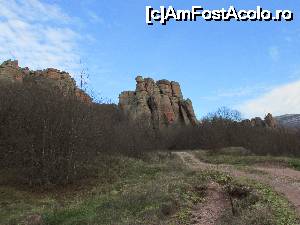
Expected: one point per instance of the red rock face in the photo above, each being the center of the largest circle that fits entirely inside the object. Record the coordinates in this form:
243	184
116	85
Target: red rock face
159	104
170	116
82	96
11	72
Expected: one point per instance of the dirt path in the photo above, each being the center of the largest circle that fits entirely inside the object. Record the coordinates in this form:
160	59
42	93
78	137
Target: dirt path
208	212
284	180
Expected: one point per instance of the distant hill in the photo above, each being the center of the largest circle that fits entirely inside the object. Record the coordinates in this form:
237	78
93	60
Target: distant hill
289	120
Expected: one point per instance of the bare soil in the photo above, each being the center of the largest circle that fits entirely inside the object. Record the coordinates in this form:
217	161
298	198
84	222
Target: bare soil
208	212
285	181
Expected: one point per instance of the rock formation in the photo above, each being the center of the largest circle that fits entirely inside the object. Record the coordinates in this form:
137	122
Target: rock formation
160	104
10	72
269	122
257	122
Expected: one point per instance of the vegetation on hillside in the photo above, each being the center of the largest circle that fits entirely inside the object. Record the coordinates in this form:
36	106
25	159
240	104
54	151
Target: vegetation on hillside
77	163
156	190
242	157
224	129
49	138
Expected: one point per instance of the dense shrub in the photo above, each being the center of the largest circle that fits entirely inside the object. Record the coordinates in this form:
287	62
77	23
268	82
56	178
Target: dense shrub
217	133
50	138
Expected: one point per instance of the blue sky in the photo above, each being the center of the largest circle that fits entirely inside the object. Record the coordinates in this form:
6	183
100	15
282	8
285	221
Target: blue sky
251	66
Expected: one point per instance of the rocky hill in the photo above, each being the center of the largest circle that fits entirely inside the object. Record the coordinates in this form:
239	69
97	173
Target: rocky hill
289	120
160	104
10	72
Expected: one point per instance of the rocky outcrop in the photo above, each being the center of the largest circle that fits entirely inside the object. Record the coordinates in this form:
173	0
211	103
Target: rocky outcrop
257	122
159	104
10	72
269	122
53	78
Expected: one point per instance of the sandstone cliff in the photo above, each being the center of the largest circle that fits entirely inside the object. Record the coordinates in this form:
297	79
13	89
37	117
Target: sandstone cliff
52	78
159	104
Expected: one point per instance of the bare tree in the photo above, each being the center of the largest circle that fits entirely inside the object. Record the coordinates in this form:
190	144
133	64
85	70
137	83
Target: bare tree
225	113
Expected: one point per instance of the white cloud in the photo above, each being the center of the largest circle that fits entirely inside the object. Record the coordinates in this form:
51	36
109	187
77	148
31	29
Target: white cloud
236	92
274	53
280	100
38	34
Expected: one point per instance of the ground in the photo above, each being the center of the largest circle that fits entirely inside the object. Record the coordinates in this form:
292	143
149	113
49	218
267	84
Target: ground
283	180
165	189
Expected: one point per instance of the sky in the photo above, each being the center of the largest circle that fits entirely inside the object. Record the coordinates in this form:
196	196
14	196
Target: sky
253	67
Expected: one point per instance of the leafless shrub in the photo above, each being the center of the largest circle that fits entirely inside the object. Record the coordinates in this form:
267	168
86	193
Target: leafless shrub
216	131
49	138
54	139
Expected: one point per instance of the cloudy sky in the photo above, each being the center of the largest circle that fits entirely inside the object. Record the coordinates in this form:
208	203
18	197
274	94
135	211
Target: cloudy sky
252	66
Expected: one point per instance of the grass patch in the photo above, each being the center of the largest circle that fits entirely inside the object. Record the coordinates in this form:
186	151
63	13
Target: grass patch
254	203
158	190
242	157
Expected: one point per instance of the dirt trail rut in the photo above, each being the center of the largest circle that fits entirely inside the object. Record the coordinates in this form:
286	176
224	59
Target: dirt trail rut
208	212
283	180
